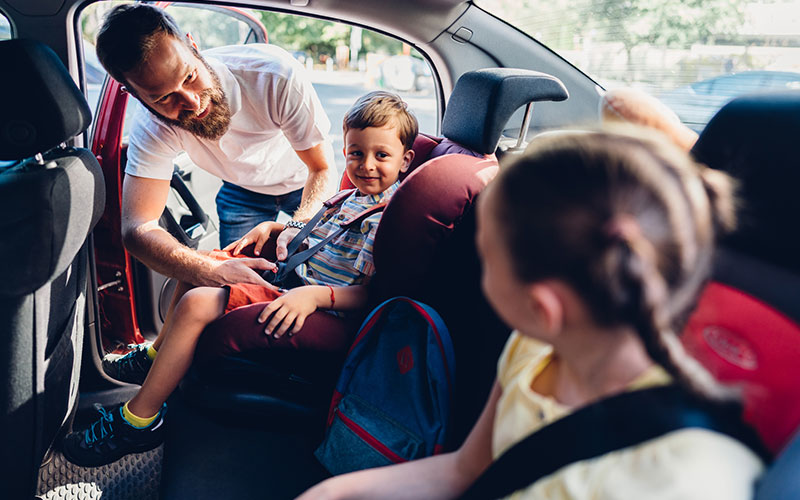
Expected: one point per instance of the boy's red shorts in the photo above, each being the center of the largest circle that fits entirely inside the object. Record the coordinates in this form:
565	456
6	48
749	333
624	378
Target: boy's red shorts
238	330
244	294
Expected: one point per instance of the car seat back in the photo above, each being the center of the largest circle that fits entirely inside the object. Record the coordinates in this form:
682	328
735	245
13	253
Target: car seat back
746	328
424	246
50	198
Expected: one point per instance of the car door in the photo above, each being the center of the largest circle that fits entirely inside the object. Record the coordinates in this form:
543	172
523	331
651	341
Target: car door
132	297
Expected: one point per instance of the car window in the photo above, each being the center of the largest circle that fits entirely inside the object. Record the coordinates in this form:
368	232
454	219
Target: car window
694	56
5	27
213	26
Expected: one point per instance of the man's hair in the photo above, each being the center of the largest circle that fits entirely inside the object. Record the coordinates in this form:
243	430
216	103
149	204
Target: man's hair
128	34
380	108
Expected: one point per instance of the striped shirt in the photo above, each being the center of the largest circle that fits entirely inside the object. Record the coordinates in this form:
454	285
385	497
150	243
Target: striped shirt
346	259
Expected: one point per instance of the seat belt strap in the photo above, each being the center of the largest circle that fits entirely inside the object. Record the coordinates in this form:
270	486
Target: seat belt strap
295	259
612	424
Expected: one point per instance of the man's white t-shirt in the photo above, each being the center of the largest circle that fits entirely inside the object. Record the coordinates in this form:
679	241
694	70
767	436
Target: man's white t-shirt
274	111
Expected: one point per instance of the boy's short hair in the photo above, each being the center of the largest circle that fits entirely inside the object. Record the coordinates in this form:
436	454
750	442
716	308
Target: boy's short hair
380	108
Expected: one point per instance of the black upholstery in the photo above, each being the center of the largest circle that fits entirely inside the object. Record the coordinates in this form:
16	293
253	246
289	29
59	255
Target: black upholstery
40	111
483	101
48	206
754	138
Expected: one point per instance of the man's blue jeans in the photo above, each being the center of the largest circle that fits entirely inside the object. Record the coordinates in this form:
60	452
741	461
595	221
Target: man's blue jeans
240	210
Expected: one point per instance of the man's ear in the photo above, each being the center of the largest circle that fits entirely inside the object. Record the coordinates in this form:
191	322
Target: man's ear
548	306
408	157
191	41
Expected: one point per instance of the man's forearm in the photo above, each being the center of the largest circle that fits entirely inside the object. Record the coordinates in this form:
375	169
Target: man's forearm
320	186
158	250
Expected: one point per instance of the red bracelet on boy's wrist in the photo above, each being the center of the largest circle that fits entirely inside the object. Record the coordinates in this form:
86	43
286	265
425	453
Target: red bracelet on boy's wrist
333	297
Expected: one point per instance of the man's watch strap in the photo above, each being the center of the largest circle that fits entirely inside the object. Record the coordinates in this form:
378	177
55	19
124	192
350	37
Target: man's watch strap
295	224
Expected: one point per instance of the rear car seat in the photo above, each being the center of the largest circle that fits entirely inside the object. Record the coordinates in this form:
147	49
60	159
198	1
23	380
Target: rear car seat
424	248
746	328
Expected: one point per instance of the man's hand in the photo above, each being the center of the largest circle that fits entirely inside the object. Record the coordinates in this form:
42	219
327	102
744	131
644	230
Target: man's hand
292	309
244	270
258	235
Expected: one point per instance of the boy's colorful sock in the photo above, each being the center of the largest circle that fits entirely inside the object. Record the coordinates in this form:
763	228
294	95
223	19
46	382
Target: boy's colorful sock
151	352
135	420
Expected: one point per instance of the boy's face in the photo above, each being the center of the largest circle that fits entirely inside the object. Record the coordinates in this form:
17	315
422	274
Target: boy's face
375	157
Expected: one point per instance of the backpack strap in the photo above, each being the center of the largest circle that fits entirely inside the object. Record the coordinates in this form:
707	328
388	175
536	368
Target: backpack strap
614	423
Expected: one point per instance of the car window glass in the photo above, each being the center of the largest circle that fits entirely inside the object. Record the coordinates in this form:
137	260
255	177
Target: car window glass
694	56
5	28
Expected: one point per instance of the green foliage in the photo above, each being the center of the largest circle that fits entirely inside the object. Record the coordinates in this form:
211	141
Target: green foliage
562	24
319	37
664	23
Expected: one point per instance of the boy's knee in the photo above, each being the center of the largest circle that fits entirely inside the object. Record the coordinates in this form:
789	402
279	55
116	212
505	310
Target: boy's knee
203	302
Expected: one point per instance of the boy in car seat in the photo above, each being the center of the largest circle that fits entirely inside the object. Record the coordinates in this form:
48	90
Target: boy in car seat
379	132
594	247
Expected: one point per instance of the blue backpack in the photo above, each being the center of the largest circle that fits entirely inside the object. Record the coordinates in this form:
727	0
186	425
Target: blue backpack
392	401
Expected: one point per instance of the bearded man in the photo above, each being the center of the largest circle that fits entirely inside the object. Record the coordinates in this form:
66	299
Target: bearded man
247	114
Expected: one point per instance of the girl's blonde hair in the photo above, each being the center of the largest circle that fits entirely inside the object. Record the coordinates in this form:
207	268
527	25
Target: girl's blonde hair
627	219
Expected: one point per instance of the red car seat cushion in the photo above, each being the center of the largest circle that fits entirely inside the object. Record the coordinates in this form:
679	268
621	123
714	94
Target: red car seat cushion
423	212
745	342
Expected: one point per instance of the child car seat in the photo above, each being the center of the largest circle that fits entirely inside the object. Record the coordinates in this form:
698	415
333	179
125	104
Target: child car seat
424	248
746	328
51	196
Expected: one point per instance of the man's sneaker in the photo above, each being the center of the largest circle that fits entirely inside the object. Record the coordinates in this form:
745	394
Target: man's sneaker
131	367
111	437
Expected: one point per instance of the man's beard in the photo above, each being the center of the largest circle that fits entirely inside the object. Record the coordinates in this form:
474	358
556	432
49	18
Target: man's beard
215	123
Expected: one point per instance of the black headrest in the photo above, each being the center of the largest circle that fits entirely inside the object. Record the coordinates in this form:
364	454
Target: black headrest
42	106
757	140
483	101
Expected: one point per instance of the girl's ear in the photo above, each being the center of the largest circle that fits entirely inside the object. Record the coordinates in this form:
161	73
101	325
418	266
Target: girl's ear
408	157
548	307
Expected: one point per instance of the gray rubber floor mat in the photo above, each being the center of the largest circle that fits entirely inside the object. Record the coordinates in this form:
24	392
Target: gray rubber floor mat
134	477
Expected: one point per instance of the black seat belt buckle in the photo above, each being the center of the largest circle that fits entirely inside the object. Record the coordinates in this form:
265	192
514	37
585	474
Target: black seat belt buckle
277	276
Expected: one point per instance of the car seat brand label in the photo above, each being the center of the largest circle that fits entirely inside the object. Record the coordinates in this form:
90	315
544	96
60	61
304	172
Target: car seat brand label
731	347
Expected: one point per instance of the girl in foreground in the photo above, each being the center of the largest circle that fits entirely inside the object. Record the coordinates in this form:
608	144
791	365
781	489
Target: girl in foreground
595	246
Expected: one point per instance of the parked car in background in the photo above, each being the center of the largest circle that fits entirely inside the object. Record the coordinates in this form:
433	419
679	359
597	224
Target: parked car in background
696	103
405	73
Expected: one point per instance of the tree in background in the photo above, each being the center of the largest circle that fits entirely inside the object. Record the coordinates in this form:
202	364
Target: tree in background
662	23
318	37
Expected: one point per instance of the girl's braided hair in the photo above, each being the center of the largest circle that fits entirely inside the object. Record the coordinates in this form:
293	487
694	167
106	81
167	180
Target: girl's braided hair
629	221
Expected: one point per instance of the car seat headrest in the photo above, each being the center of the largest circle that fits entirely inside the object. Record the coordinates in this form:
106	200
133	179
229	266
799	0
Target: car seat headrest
422	213
43	106
755	139
483	101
